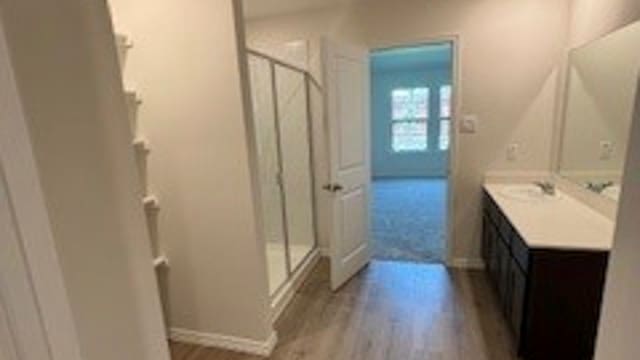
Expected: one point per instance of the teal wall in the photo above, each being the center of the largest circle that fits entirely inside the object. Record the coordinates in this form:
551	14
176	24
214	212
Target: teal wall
386	163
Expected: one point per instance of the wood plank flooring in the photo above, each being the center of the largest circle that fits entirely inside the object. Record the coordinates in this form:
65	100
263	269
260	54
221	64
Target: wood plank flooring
391	311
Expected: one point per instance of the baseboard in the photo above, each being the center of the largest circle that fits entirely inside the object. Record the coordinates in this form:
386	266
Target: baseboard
466	263
243	345
324	251
287	293
411	177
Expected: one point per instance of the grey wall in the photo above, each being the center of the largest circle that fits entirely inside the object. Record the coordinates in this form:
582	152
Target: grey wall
385	162
185	63
64	57
592	19
617	335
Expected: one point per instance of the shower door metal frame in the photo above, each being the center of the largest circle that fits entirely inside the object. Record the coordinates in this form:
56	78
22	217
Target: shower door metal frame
308	82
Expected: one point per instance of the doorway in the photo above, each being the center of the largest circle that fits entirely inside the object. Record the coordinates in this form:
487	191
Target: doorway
411	111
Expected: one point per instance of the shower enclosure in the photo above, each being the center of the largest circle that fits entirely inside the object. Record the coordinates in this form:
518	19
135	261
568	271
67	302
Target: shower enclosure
282	118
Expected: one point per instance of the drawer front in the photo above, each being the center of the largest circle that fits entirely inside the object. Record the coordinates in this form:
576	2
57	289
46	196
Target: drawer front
520	251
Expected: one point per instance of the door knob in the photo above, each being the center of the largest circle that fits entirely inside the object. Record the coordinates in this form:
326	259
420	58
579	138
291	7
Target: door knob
333	187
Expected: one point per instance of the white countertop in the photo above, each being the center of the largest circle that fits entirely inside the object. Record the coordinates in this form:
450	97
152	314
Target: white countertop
559	223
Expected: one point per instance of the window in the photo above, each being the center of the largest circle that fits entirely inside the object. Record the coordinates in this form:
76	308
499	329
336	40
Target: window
445	101
445	117
409	136
443	137
409	114
410	104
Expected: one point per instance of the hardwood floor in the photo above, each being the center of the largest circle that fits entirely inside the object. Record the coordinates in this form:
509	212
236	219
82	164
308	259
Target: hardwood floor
392	311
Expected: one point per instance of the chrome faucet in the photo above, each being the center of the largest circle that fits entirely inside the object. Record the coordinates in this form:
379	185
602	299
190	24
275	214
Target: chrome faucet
547	187
599	187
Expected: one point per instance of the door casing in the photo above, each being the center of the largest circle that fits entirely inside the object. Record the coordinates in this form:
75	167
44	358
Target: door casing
454	40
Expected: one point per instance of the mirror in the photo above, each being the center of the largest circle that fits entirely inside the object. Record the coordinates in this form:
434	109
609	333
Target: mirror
600	100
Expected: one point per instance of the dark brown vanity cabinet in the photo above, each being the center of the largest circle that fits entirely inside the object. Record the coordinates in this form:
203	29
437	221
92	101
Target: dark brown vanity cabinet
551	298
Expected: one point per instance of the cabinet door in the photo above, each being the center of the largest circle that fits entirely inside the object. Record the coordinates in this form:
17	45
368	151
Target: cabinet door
487	242
518	288
504	262
494	255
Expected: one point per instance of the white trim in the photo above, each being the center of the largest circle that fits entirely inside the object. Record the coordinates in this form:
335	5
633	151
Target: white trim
323	251
151	203
466	263
141	144
283	297
32	219
244	345
161	261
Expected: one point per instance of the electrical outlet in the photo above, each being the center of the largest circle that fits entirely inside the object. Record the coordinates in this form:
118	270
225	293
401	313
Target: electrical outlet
513	150
606	150
469	124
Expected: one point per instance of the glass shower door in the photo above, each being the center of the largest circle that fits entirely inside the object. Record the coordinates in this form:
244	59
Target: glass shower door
283	140
266	135
293	126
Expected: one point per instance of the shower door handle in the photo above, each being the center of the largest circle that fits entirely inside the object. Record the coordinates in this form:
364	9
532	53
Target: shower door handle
334	188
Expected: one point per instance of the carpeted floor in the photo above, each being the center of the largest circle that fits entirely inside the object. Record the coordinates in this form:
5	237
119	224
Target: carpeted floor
409	219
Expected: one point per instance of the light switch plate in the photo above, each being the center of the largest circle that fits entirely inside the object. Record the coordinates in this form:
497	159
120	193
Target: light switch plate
469	124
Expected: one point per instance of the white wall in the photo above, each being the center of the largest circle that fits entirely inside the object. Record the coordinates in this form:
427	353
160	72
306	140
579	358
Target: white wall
617	335
618	324
592	19
185	64
510	53
65	64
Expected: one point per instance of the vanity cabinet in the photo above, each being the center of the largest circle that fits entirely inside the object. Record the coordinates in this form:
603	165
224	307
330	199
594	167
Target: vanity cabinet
550	297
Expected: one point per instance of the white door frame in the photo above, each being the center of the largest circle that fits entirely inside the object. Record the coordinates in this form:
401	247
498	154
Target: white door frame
453	134
34	237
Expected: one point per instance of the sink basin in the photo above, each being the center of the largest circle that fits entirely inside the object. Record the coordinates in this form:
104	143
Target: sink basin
526	193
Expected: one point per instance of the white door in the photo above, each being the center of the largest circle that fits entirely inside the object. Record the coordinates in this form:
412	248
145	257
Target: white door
347	91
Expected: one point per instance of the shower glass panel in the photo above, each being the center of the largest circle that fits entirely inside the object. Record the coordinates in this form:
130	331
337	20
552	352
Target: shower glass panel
293	123
263	100
284	151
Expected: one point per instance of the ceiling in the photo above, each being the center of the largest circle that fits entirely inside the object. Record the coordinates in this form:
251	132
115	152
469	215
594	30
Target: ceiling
411	57
263	8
